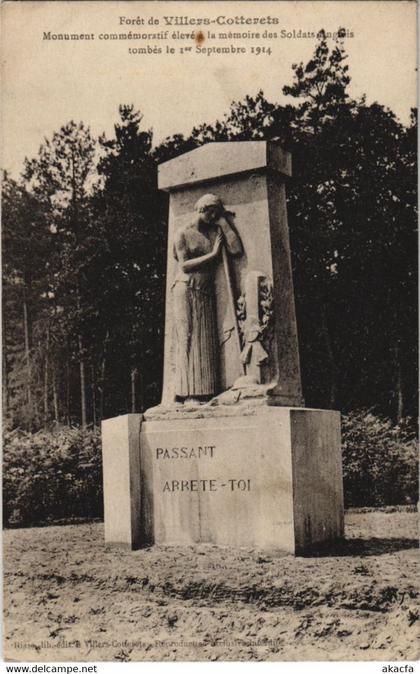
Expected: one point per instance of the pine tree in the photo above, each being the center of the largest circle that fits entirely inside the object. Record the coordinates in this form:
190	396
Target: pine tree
61	179
25	244
130	267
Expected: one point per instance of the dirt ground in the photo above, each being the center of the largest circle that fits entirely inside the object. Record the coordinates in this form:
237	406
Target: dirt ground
69	598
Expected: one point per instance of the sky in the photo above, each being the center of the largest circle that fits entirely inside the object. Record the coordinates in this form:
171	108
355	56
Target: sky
46	83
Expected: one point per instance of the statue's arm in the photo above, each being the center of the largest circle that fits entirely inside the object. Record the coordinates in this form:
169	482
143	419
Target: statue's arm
233	242
188	265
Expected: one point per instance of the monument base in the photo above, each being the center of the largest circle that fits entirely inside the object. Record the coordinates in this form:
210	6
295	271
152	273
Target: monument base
272	480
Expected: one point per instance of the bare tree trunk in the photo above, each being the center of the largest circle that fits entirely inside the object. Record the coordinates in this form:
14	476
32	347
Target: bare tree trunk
101	389
331	359
399	388
82	383
54	369
55	397
5	381
67	390
140	388
93	389
46	376
133	390
27	348
101	386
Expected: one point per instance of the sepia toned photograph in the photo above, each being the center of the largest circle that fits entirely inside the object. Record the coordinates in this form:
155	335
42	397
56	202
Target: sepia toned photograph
210	331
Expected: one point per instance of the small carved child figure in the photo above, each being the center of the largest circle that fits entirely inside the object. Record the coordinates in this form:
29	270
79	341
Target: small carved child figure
197	249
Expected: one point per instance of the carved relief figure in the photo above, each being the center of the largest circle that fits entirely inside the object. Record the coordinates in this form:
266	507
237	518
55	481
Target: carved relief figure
255	317
197	249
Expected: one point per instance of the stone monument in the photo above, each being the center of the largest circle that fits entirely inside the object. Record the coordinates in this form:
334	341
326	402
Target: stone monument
231	456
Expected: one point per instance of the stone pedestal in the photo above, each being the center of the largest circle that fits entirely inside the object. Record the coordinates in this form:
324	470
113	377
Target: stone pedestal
271	480
121	479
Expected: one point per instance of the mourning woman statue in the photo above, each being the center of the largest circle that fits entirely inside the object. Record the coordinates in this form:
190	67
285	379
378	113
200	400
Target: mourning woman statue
198	249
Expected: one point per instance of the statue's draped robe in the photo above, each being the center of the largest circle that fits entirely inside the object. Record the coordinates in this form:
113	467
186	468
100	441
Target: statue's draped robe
196	366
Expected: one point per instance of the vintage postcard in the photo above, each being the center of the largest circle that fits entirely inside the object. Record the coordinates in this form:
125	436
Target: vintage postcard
209	254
